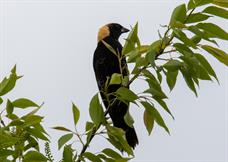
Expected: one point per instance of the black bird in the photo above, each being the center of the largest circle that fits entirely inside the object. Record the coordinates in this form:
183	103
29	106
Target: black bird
105	63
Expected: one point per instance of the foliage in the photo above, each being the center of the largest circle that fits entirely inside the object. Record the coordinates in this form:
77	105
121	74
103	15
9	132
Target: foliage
178	51
20	136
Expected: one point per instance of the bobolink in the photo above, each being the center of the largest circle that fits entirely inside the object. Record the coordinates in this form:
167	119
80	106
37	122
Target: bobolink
106	63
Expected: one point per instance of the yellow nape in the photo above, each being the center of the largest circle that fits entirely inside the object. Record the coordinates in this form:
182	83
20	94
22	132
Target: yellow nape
103	33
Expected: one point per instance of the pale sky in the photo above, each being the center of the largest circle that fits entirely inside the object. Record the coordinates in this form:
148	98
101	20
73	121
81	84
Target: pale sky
52	42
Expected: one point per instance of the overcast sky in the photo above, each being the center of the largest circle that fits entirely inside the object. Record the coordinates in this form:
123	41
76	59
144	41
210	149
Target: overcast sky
52	42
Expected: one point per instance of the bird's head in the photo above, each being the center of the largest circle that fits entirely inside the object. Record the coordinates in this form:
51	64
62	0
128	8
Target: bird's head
113	30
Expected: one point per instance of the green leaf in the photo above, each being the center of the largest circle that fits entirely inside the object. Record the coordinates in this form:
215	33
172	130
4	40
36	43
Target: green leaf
116	79
126	94
6	140
196	39
183	49
183	37
96	111
188	79
33	112
14	69
64	139
110	48
178	15
173	65
137	52
140	62
24	103
102	156
8	84
155	87
133	55
148	121
90	156
89	130
150	57
191	4
152	78
201	34
155	92
143	48
116	137
115	142
108	159
222	3
196	3
125	146
171	78
62	129
159	76
178	25
156	46
76	113
202	2
40	128
196	70
12	116
202	73
1	100
131	40
34	156
217	53
213	29
197	17
4	159
111	153
213	10
31	120
206	65
89	126
159	120
125	81
16	122
68	154
9	107
118	132
36	133
128	119
6	152
163	104
32	143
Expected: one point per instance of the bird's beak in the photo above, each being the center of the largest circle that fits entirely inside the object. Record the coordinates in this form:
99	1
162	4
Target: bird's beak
124	30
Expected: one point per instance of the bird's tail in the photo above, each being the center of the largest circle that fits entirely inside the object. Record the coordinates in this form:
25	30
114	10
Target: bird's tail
131	137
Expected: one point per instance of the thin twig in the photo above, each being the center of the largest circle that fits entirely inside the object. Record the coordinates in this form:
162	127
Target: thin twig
169	51
94	131
2	122
136	75
79	137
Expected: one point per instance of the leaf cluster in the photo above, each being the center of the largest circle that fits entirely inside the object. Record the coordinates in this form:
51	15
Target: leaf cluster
20	136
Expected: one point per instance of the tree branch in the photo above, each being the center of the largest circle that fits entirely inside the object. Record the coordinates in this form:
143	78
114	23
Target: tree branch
161	51
132	79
